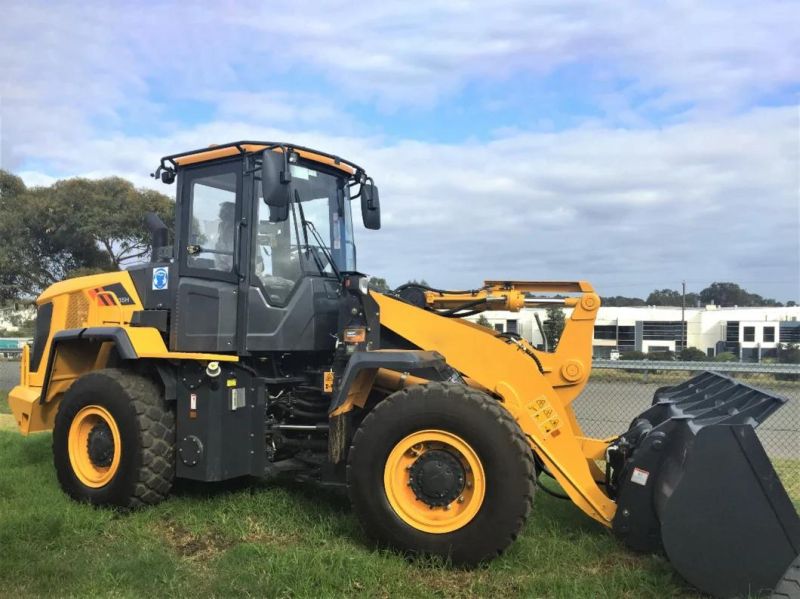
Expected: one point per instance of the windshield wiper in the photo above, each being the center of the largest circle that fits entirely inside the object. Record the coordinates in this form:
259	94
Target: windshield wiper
324	249
309	226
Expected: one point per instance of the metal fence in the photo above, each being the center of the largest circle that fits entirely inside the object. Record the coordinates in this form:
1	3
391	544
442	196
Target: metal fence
618	390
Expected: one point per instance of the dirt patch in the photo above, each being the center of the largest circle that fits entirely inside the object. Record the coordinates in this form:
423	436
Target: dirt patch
7	422
611	561
258	533
190	545
201	546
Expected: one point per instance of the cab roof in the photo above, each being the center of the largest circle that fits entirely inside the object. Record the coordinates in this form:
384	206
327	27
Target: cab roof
215	152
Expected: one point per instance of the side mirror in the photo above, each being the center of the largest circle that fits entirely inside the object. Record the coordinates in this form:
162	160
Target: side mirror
370	206
276	184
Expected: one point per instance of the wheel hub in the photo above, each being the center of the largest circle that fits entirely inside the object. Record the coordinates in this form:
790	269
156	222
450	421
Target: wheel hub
437	478
100	445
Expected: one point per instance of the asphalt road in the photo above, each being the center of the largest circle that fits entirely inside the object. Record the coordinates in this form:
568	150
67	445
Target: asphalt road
606	408
9	374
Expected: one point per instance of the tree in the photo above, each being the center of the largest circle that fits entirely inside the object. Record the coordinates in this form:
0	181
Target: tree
11	187
483	321
726	356
421	282
730	294
692	354
789	353
76	225
671	297
379	284
554	324
622	301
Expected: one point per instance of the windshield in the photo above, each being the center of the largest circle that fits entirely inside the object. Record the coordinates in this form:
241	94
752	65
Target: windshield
319	230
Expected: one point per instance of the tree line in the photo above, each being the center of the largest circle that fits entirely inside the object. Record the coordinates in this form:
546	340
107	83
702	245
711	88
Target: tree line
71	228
722	294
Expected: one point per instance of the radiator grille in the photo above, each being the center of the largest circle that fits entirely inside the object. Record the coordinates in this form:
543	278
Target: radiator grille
77	311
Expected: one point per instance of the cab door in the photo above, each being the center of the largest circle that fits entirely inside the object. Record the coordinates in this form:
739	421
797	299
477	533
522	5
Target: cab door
206	298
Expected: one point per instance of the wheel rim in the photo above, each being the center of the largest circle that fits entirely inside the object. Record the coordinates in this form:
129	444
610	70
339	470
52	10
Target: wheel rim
94	446
422	490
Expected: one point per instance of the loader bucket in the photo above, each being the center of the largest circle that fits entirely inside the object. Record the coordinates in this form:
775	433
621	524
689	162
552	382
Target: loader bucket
691	477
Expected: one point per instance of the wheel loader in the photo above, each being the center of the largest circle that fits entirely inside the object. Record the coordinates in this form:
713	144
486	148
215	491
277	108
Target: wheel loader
250	345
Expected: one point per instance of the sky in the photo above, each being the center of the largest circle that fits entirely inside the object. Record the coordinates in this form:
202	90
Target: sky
632	144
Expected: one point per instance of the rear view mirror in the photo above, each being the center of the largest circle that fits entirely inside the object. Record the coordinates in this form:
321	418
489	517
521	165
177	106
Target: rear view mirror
370	206
276	184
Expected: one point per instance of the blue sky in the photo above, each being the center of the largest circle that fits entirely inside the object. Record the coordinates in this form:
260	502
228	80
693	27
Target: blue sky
632	144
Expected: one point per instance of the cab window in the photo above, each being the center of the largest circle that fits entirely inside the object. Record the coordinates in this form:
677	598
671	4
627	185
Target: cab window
212	222
305	243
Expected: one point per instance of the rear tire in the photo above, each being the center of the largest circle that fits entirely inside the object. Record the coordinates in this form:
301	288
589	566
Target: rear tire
401	499
114	440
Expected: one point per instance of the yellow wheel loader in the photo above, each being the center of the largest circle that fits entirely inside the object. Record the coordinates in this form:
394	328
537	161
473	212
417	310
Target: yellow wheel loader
251	346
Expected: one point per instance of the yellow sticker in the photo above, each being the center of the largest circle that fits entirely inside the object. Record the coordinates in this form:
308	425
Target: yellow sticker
231	382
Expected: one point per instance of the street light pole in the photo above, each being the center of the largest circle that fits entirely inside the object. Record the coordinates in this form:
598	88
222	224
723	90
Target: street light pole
683	315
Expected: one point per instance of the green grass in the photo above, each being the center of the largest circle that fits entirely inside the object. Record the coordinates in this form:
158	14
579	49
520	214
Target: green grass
282	540
789	473
4	409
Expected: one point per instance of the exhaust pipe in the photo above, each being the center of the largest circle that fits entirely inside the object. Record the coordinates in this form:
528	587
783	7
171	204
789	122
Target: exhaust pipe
159	235
690	476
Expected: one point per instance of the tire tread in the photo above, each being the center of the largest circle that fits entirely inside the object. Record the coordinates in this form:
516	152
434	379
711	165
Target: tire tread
156	428
494	411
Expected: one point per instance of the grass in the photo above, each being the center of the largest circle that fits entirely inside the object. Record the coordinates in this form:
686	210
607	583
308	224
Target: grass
789	473
4	409
253	538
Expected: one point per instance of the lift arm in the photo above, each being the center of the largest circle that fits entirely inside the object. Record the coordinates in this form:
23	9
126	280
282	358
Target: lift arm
535	387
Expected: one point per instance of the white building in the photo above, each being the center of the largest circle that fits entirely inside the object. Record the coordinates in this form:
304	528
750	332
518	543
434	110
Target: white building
12	315
750	333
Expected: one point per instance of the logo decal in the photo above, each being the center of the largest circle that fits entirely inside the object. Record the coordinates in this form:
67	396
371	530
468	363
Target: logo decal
160	278
110	295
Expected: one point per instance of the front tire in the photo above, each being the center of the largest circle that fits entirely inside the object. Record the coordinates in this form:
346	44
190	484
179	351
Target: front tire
114	440
441	469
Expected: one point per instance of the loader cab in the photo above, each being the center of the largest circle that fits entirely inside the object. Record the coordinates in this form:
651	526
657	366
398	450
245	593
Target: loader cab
259	249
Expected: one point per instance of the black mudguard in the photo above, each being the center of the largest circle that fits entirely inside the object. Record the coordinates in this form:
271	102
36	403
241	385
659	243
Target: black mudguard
399	360
697	482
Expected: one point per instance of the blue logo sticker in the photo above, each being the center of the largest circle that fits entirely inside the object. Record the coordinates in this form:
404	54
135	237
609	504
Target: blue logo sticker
160	278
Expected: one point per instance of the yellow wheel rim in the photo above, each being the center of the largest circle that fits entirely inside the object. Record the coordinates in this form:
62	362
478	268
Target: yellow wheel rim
89	471
397	481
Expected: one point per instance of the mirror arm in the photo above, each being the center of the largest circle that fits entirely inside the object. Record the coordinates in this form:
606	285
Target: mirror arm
286	174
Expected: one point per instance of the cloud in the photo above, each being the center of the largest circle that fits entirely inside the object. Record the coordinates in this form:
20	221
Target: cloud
630	210
682	173
720	54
